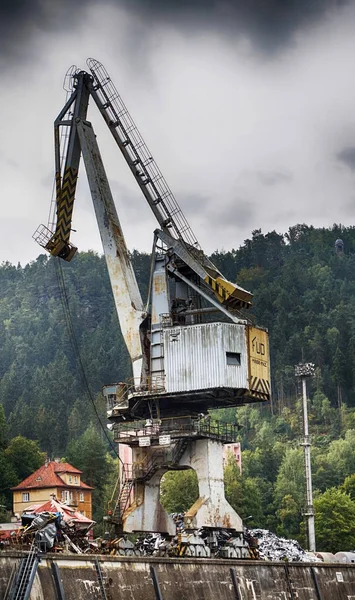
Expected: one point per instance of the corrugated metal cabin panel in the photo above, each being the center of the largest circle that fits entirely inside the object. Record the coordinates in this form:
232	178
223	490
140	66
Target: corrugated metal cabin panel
195	357
235	340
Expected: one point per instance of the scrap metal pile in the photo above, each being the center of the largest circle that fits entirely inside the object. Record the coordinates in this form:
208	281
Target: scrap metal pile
68	531
257	544
54	526
205	543
50	531
272	547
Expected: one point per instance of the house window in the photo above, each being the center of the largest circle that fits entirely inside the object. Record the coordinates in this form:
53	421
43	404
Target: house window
233	358
70	479
25	497
65	496
81	497
75	479
71	496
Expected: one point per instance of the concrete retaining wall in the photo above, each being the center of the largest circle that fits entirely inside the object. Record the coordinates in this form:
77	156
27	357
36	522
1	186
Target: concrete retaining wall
180	579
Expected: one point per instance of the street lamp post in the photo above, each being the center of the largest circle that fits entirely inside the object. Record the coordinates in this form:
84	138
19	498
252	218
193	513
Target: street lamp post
304	371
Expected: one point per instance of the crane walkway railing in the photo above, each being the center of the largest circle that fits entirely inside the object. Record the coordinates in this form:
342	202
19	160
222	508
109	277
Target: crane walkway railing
130	433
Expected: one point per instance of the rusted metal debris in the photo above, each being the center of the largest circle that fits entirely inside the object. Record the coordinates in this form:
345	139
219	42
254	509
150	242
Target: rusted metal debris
272	547
50	532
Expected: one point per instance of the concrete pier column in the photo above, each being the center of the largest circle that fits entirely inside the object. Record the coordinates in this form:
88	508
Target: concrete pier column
211	509
146	513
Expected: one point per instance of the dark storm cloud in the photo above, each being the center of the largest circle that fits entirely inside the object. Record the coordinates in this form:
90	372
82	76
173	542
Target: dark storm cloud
347	156
270	24
20	20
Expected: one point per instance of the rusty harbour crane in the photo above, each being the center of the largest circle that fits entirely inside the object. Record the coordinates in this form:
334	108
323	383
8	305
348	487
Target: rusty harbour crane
191	347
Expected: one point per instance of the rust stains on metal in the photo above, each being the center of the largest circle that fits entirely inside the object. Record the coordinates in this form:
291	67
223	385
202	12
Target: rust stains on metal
159	283
226	521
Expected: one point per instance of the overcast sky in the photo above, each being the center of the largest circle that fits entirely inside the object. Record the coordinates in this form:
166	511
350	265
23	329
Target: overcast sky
248	107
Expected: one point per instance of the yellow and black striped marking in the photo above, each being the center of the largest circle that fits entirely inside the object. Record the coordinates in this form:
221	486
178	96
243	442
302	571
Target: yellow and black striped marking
65	201
228	293
217	288
260	386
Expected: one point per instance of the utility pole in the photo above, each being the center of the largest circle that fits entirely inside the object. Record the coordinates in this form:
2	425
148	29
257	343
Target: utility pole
304	371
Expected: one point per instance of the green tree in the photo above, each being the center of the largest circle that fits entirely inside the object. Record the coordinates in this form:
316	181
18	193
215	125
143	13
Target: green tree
349	486
244	494
334	521
3	429
178	490
290	478
289	515
24	456
252	507
8	478
109	493
233	484
341	456
76	425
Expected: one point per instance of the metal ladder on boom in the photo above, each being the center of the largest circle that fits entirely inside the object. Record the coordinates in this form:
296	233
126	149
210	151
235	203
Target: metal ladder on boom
138	157
175	229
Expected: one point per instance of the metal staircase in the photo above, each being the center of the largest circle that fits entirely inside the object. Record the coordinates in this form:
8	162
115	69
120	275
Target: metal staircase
180	447
24	578
123	501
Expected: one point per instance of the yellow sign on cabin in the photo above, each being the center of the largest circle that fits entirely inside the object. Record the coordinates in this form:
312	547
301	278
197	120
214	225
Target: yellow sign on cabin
259	363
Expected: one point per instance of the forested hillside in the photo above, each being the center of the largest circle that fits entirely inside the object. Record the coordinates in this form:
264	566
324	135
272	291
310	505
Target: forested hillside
304	292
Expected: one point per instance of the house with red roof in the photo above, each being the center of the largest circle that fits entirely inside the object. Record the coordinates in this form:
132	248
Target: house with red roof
54	478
